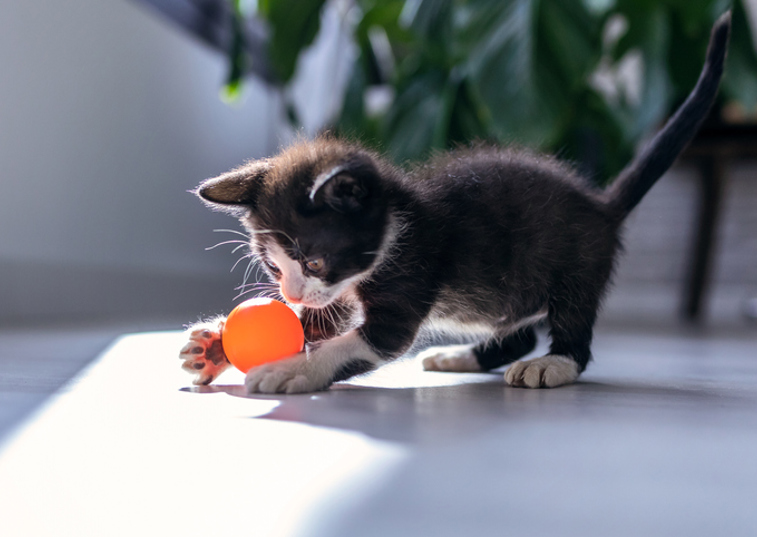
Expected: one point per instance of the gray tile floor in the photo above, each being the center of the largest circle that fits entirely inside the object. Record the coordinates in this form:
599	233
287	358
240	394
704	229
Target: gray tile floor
657	438
35	363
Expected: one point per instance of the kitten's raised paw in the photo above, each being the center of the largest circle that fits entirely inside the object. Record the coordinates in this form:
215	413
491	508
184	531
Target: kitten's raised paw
545	372
452	358
290	375
203	354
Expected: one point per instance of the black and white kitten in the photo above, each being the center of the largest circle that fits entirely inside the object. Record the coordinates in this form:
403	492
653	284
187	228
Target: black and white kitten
486	239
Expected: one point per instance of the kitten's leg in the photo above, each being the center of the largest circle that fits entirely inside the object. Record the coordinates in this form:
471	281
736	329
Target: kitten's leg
315	369
481	357
497	353
203	354
450	358
571	331
387	332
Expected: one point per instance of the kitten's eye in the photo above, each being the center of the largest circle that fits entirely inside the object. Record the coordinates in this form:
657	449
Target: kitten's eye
315	265
272	267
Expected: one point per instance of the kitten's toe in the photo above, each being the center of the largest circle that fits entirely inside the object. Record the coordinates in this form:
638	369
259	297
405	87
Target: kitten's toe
546	372
262	379
300	384
203	354
285	376
453	358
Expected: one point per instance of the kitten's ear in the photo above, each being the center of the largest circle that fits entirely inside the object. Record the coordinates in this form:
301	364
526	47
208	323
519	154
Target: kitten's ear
238	187
340	191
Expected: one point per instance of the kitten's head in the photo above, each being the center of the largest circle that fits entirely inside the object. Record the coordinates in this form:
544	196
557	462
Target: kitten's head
318	216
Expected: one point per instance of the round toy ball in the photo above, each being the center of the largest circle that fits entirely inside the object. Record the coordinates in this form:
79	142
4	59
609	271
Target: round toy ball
261	330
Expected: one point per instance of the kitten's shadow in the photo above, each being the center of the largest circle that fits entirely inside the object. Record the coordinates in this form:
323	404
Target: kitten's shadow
441	412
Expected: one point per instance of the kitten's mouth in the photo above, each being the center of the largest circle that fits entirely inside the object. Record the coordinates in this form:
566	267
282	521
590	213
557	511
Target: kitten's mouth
315	306
300	301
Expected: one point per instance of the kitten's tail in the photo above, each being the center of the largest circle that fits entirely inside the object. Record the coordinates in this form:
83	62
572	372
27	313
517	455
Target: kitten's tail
654	160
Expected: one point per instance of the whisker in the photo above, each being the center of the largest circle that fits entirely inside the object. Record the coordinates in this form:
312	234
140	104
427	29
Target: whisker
245	235
265	292
248	271
227	242
240	295
321	323
294	242
263	288
238	261
259	285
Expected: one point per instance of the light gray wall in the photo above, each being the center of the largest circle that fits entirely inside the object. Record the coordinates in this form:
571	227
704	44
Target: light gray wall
107	116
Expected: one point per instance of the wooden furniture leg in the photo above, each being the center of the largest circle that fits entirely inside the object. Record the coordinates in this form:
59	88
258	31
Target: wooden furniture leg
712	186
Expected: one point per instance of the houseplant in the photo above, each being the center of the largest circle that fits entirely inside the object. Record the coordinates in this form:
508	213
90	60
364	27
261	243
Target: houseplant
523	71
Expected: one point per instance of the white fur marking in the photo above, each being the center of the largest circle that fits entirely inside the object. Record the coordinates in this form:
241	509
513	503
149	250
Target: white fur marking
452	358
311	371
323	178
526	321
546	372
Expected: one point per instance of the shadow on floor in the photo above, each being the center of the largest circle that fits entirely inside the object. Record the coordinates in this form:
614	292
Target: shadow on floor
439	413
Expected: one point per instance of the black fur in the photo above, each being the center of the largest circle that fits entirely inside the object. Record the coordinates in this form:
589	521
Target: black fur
353	368
483	235
493	354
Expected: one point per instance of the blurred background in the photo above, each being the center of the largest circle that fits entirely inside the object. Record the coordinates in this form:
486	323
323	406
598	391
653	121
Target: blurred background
110	111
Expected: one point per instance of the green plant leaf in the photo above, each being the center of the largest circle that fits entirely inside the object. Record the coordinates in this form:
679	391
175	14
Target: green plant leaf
294	25
429	19
649	33
418	118
518	70
233	89
740	80
502	66
594	139
528	60
469	118
572	39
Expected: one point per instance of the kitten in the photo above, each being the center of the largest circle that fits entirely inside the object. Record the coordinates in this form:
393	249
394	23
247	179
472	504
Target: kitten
483	239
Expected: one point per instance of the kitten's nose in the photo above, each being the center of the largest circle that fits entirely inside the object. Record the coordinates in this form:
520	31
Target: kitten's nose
292	299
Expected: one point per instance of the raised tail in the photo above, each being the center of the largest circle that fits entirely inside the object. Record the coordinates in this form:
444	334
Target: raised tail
654	160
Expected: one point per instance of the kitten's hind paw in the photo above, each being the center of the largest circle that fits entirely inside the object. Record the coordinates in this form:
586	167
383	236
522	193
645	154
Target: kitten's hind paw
546	372
203	354
452	358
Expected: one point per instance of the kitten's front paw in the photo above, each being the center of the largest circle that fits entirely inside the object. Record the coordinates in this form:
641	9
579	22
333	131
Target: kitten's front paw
453	358
290	375
545	372
203	354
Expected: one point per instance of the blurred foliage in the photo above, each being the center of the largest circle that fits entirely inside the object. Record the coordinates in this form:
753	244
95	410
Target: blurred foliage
515	70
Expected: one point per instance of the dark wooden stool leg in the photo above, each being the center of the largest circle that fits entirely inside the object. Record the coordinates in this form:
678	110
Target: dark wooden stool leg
712	185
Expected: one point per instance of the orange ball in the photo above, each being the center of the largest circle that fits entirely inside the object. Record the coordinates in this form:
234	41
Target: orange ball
261	330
